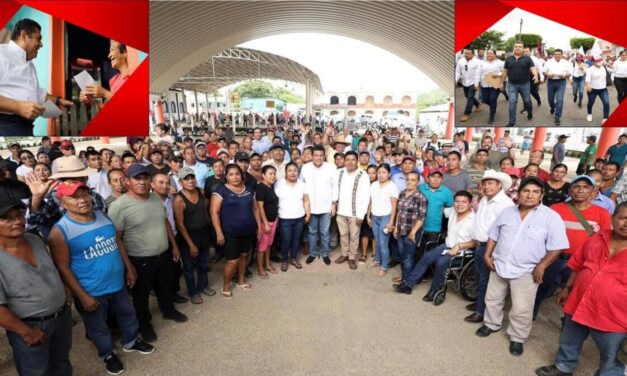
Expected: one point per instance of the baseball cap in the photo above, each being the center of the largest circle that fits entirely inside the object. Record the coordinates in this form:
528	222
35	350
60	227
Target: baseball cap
222	151
409	157
7	202
276	146
66	144
586	178
593	138
562	136
241	156
68	188
185	172
435	172
201	143
136	169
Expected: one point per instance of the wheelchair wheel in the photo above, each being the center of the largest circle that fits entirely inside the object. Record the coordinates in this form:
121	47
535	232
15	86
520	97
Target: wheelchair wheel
439	297
468	282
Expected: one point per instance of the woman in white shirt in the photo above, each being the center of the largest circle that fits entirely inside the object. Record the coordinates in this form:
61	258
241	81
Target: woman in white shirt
492	68
381	215
620	75
294	213
596	86
578	78
27	160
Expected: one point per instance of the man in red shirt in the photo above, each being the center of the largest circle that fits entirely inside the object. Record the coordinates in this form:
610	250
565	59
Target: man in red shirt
581	193
596	301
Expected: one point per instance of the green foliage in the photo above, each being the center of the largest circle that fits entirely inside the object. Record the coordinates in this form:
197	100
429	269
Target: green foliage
530	40
262	89
487	39
586	43
431	98
550	51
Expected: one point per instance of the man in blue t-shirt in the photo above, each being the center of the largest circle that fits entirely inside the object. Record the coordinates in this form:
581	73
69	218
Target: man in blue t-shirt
438	197
85	249
618	152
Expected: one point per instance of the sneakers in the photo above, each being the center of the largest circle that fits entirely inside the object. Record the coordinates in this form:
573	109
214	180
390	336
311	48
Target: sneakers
309	260
141	347
589	117
551	371
326	260
113	364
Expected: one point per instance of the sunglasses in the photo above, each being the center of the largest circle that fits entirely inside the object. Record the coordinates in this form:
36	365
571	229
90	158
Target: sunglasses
26	158
68	148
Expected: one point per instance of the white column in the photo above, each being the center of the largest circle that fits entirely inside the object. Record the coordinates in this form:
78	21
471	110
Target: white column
308	100
196	103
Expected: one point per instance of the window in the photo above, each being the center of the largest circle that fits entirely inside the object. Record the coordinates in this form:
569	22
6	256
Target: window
173	106
406	101
387	99
181	108
369	101
352	100
351	113
335	100
165	107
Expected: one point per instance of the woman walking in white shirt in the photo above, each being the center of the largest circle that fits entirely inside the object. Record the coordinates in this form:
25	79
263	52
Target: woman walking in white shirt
490	69
294	212
381	215
596	86
620	75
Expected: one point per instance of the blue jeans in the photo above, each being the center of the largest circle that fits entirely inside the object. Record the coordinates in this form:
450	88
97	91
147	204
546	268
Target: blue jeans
483	274
319	224
469	93
572	339
291	230
199	264
555	275
555	90
50	358
383	251
96	322
490	95
431	257
407	252
605	98
579	83
525	93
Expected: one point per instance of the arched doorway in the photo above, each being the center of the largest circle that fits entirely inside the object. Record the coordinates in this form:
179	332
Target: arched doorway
334	100
387	99
352	100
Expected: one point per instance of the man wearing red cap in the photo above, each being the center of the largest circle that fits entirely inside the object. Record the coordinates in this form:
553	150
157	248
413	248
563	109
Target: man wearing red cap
67	149
85	249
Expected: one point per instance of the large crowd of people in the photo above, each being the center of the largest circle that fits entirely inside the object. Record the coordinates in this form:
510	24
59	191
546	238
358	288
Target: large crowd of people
521	73
102	229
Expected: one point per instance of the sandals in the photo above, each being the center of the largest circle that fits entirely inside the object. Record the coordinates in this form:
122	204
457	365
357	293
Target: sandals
296	264
381	273
246	286
272	270
362	259
397	279
263	276
284	266
227	294
374	265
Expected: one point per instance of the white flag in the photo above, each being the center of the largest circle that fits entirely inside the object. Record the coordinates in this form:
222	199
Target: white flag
596	50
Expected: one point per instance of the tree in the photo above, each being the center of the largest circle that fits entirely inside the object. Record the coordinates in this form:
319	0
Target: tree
431	98
255	89
529	40
586	43
287	96
487	39
550	51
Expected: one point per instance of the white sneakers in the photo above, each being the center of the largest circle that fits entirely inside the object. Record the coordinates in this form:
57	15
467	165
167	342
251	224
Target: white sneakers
589	117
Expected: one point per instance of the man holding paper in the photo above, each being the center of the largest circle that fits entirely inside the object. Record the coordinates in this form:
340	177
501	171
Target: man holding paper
119	61
21	98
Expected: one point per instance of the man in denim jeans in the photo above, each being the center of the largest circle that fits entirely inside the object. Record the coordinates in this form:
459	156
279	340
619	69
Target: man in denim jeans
466	70
33	303
86	251
494	201
516	69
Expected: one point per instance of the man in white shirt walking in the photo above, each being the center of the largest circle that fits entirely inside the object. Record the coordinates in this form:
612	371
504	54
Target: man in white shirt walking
467	71
351	196
21	97
557	71
319	177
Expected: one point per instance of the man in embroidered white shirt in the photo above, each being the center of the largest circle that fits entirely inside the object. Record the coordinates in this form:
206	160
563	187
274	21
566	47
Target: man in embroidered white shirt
467	71
21	97
351	196
557	71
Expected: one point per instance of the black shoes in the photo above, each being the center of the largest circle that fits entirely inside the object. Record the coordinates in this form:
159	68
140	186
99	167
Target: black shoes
309	260
393	263
428	297
579	105
326	260
557	122
180	299
141	347
551	371
148	333
472	307
574	101
403	288
113	364
484	331
529	116
552	110
175	315
510	125
515	348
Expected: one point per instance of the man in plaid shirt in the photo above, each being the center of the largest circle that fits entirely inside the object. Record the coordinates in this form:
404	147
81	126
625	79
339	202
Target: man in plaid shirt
411	211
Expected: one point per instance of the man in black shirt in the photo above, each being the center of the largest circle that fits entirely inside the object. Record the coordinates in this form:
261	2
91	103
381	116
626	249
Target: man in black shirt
516	69
156	163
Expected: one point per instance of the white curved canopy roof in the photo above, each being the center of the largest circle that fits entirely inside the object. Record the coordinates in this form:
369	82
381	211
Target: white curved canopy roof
185	34
239	64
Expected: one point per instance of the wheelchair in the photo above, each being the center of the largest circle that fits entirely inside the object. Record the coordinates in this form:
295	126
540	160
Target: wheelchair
461	272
